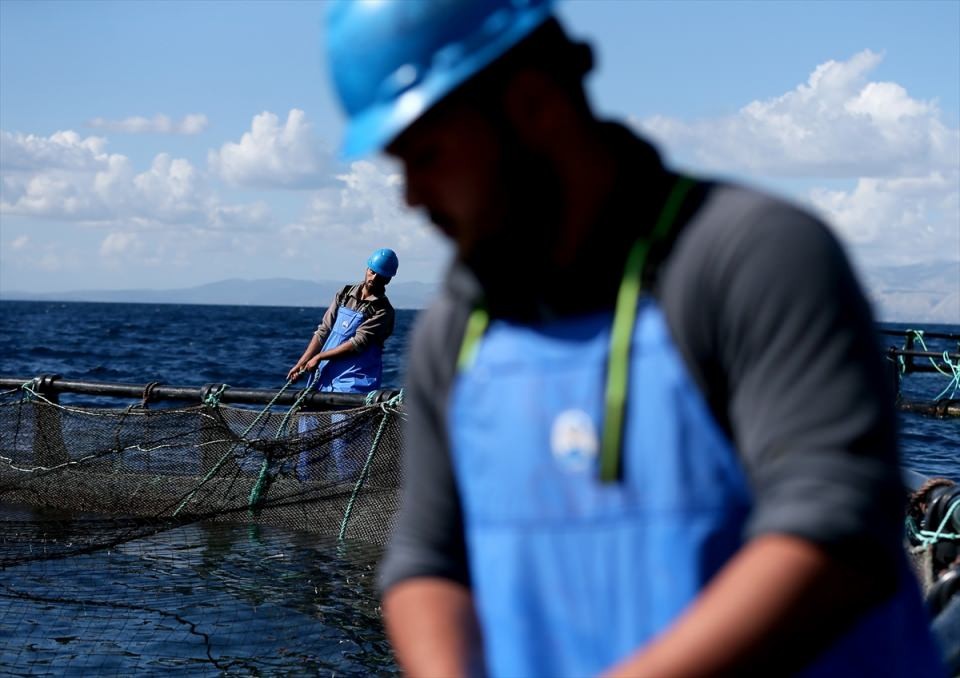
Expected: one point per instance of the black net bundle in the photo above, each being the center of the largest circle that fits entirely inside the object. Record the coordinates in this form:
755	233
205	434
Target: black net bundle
206	539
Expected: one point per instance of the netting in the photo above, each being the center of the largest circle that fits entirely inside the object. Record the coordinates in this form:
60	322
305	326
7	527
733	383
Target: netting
208	538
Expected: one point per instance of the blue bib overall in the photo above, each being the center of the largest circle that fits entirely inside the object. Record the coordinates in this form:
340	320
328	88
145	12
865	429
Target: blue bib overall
353	373
571	575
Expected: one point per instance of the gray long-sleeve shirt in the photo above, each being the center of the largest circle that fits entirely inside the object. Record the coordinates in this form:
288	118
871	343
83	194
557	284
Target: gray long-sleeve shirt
378	317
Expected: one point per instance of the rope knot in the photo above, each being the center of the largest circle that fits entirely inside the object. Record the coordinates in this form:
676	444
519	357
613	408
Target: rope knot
147	395
213	394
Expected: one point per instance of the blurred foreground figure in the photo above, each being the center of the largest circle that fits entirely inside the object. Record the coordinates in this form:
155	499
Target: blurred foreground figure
648	431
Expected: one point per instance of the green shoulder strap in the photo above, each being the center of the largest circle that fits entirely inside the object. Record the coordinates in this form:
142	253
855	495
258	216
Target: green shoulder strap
624	319
476	326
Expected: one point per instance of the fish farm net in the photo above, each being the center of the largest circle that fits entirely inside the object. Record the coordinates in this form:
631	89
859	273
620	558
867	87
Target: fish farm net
206	539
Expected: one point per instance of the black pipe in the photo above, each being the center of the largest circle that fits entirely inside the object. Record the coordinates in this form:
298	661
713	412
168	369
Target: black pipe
54	384
924	365
922	354
942	408
925	335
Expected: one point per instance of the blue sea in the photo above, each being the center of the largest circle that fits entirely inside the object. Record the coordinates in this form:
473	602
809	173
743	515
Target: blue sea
254	347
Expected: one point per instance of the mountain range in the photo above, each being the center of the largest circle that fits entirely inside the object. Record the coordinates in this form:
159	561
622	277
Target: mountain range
928	292
238	292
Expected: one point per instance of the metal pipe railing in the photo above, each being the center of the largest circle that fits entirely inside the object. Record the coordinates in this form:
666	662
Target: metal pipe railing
52	385
925	335
911	365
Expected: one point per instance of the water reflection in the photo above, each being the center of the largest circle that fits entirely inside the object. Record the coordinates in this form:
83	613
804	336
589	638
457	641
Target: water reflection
208	599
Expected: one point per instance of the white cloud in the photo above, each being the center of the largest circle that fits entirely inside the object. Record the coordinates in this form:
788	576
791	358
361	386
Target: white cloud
120	244
837	124
250	214
71	178
274	155
902	159
365	211
174	188
54	194
194	123
20	243
63	150
887	102
897	221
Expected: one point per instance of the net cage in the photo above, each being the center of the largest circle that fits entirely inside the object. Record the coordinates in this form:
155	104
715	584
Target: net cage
206	538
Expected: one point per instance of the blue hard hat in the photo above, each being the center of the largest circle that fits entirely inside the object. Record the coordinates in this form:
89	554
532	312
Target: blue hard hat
392	60
384	262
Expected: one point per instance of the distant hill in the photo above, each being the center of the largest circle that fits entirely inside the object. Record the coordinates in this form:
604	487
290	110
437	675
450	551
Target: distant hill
238	292
928	293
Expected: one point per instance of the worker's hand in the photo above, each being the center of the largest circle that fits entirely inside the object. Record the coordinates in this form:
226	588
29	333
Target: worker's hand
295	372
311	364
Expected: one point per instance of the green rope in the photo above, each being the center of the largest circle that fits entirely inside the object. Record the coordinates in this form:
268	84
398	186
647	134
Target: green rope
257	490
213	398
214	403
953	374
28	387
387	407
258	487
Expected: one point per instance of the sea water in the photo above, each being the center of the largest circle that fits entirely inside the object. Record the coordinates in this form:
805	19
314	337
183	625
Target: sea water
236	595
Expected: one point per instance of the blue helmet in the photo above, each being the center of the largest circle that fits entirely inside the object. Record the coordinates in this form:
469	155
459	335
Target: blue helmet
392	60
384	262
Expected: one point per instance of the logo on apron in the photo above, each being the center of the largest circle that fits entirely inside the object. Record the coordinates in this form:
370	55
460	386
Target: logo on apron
573	440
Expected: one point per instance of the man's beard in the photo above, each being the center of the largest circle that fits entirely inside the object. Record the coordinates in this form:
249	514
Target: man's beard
513	263
375	287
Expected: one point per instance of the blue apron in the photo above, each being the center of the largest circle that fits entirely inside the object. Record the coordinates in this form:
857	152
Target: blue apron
353	373
571	575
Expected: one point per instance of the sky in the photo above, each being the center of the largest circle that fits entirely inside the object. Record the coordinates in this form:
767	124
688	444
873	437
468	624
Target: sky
170	144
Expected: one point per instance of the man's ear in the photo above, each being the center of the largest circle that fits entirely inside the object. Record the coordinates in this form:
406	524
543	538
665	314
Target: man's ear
537	107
